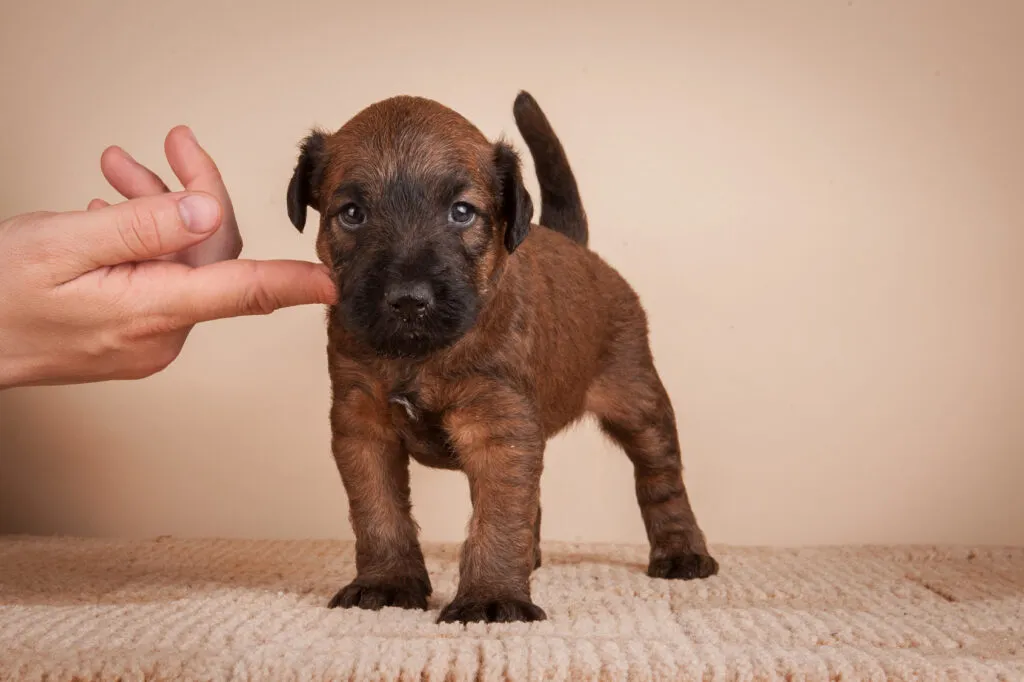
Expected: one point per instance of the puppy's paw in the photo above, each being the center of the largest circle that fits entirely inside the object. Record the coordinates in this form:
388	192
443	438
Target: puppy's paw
683	567
404	594
465	610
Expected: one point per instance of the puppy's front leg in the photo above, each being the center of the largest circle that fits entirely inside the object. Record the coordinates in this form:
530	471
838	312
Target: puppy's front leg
390	570
501	449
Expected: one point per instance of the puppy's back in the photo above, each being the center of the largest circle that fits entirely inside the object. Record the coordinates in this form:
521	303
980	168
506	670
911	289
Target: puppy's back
582	310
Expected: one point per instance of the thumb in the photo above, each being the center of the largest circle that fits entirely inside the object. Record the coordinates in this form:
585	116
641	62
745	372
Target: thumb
136	230
234	288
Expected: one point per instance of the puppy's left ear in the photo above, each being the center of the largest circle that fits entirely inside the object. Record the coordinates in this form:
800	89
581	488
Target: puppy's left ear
516	206
305	182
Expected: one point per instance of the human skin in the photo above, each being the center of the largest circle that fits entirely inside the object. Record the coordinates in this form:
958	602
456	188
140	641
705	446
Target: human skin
112	292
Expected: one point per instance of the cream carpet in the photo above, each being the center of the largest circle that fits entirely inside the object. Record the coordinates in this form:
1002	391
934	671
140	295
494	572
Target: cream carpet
73	609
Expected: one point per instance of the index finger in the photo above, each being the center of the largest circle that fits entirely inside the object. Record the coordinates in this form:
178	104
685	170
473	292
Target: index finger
129	177
234	288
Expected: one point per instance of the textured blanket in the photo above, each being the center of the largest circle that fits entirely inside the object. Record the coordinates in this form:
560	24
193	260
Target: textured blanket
76	609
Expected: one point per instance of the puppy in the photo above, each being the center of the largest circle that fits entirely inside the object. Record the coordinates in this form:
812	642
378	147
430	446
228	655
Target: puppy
465	337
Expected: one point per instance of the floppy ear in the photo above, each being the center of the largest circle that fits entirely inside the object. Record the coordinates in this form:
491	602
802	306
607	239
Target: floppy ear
305	182
515	202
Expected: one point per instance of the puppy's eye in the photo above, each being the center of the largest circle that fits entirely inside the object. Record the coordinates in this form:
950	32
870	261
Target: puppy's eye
462	214
352	215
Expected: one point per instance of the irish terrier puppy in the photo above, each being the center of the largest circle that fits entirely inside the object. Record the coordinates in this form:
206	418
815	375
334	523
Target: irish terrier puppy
465	337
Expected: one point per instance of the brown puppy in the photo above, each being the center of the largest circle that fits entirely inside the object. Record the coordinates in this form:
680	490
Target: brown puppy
465	337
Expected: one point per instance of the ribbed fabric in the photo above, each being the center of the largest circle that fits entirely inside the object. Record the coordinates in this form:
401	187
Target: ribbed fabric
80	609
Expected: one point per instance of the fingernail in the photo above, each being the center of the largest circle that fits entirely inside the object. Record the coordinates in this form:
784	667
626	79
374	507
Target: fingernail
191	135
199	213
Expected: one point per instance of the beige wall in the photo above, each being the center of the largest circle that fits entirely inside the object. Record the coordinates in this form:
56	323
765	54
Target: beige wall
819	202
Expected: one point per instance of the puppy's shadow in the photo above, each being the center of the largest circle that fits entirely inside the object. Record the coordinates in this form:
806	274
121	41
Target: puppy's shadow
554	555
555	559
65	572
69	572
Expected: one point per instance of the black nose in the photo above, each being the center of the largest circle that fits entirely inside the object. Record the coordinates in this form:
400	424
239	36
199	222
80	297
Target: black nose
410	300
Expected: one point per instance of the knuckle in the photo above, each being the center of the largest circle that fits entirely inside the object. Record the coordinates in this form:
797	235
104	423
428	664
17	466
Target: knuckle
139	230
163	359
147	348
156	360
131	349
258	301
136	372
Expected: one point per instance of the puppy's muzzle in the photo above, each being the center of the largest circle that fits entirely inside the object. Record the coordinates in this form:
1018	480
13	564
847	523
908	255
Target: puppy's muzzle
410	301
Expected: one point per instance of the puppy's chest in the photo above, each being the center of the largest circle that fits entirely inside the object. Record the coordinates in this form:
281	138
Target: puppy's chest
420	426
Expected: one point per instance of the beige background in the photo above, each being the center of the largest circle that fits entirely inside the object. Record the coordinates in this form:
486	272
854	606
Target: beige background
819	202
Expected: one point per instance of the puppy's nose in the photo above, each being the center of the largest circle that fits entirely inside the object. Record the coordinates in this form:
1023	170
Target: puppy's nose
410	300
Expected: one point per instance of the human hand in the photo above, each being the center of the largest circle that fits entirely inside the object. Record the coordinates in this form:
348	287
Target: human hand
196	171
112	292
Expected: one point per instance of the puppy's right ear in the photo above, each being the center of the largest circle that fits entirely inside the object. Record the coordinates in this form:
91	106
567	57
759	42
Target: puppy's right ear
305	182
515	201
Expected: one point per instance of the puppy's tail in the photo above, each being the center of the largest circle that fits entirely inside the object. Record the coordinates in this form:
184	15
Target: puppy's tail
561	207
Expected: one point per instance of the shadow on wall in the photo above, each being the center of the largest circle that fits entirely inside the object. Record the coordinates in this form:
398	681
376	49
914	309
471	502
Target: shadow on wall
45	439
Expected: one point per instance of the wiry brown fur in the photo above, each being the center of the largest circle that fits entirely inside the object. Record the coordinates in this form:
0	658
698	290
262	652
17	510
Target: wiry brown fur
558	334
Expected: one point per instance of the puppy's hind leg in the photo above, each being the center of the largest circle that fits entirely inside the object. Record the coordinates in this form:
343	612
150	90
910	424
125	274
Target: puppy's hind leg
634	410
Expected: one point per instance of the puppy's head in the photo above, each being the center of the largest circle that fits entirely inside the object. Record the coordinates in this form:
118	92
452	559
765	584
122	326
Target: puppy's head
418	211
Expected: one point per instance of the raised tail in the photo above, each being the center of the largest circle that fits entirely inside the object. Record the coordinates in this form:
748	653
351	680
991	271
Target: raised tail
561	207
